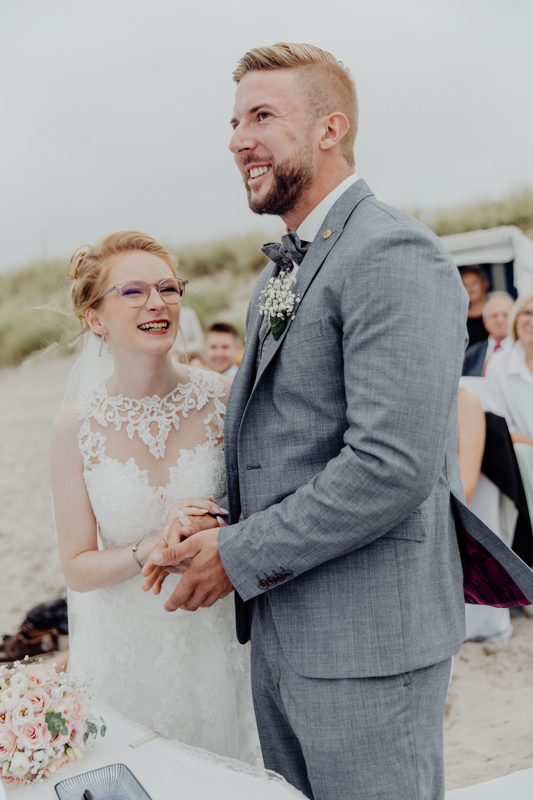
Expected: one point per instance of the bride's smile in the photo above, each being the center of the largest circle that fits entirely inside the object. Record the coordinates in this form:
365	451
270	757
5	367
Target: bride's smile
128	323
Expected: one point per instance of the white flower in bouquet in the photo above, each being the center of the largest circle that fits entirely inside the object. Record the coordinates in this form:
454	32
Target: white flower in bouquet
20	764
44	723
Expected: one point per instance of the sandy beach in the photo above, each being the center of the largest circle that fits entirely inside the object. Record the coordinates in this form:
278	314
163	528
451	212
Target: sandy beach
488	729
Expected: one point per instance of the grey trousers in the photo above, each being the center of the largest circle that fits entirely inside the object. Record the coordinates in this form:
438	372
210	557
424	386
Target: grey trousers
348	739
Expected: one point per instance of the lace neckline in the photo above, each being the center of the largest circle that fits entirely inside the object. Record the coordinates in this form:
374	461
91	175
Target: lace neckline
141	415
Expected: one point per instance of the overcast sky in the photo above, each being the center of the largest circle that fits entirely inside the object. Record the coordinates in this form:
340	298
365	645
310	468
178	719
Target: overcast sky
115	113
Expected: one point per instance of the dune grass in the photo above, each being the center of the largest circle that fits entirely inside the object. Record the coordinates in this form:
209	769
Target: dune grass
517	210
221	275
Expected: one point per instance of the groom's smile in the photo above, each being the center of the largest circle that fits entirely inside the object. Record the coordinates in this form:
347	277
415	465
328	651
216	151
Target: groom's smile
271	141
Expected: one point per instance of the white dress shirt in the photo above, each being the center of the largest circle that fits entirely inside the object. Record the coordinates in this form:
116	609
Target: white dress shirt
308	229
510	389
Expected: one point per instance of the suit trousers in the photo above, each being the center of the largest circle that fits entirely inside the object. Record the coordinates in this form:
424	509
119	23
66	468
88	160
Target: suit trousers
348	739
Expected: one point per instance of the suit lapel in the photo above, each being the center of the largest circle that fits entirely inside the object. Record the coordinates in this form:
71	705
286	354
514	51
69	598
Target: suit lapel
316	255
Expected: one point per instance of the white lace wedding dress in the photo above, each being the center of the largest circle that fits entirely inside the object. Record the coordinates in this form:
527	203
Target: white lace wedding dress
182	674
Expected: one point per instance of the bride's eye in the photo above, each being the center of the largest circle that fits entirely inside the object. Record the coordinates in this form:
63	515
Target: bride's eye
132	290
168	288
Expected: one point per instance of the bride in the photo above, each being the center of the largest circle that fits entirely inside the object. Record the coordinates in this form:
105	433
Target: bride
125	458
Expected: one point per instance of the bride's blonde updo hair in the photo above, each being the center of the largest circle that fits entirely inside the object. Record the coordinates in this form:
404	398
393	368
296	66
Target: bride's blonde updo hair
89	268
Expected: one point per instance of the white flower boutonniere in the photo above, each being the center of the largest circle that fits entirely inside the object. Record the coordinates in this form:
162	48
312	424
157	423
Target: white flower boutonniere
279	301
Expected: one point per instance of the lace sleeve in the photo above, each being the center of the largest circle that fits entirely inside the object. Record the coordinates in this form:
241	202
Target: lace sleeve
210	387
91	443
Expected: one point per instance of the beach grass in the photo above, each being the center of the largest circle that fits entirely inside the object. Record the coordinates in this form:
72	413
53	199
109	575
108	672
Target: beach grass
221	275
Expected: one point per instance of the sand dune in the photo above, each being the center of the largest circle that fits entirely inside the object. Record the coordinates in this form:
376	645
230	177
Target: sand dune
488	730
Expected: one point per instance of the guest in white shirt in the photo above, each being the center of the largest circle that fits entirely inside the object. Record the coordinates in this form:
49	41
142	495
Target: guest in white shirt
510	374
496	310
222	347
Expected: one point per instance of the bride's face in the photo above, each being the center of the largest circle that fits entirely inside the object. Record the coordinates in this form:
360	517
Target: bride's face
133	328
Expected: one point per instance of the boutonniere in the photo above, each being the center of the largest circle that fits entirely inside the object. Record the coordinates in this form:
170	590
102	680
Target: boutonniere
279	301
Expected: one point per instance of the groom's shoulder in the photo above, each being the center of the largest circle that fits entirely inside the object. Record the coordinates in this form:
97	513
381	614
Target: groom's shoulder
376	227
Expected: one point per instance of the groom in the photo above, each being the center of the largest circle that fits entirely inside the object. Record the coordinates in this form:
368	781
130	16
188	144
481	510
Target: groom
340	438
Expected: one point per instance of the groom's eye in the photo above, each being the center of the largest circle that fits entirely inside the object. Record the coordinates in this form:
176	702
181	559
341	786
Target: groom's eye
264	115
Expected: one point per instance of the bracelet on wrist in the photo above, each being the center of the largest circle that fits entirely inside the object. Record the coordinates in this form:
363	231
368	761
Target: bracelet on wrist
134	554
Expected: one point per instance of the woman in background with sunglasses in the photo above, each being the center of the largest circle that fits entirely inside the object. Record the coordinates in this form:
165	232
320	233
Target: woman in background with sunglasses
126	457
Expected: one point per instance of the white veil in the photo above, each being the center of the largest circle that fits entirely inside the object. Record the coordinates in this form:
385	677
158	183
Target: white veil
88	371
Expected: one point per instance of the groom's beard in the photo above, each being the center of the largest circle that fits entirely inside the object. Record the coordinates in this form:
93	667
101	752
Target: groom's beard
291	179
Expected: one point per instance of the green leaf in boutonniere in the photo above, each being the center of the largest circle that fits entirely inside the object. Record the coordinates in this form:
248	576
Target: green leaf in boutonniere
277	326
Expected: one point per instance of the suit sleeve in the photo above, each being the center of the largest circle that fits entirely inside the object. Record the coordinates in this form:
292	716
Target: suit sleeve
403	323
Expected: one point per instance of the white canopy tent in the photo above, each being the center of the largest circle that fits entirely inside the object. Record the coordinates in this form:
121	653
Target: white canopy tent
507	249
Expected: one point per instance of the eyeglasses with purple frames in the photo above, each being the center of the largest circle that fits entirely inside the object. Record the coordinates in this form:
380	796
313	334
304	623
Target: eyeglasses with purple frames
136	294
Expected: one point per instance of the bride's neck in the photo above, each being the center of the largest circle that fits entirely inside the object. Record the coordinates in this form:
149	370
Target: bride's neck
145	376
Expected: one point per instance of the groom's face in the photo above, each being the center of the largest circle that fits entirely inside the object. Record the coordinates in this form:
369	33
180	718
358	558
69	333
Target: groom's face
272	141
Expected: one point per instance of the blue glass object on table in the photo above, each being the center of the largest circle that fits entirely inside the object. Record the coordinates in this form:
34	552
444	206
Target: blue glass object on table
114	782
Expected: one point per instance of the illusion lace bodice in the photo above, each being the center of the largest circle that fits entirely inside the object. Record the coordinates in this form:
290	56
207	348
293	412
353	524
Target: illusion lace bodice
128	444
181	674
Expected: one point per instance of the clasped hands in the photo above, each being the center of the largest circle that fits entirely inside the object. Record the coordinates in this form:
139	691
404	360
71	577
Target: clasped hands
188	544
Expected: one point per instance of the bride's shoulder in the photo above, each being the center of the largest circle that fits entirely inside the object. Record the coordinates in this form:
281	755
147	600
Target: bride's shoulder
67	421
64	435
70	417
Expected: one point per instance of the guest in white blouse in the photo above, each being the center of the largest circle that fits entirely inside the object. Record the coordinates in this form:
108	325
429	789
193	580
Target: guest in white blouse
510	374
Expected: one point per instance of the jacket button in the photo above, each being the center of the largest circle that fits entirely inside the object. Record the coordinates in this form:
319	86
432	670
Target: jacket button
263	585
287	575
271	581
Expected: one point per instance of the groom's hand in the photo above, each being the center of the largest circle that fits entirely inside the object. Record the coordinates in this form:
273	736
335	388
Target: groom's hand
205	580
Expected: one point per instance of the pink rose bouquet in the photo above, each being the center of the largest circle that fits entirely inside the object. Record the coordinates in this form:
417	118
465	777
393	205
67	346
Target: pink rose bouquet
44	723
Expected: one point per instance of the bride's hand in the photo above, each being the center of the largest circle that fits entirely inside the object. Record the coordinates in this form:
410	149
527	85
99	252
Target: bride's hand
184	518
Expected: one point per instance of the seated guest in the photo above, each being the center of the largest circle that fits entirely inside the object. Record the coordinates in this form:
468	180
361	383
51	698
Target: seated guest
510	374
222	347
496	312
510	388
483	498
476	284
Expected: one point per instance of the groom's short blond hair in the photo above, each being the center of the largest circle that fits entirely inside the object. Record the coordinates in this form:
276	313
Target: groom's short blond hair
326	83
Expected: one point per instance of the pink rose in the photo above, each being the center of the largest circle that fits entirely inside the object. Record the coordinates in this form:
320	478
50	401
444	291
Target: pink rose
36	675
77	733
80	706
22	712
34	734
8	742
58	765
12	781
39	699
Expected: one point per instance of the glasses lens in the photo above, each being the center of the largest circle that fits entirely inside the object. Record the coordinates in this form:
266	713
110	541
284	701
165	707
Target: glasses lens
171	290
135	293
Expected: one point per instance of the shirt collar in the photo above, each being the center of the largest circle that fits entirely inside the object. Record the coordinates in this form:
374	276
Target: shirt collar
309	228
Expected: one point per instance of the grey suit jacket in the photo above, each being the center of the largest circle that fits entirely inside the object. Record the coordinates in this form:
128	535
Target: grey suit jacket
341	452
475	358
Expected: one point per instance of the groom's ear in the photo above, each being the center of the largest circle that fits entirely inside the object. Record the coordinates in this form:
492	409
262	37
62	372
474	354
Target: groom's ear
333	128
93	321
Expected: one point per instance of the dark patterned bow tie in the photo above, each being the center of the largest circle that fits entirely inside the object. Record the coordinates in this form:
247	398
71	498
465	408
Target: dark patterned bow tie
290	250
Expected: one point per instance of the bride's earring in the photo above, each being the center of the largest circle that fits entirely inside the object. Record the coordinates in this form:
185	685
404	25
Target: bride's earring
102	340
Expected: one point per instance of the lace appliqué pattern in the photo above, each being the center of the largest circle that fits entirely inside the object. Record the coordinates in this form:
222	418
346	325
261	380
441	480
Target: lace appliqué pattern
139	415
181	674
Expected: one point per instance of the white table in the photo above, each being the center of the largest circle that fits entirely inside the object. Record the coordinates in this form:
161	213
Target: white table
164	765
518	786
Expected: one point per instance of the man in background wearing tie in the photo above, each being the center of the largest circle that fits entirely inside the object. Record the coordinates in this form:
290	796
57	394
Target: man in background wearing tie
496	310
